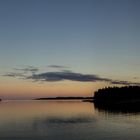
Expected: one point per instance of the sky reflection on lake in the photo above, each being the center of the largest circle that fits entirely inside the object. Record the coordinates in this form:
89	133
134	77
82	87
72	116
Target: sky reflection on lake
72	120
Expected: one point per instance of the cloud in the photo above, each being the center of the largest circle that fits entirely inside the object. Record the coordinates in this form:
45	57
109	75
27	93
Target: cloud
30	73
28	69
72	76
22	72
66	75
58	66
14	75
127	83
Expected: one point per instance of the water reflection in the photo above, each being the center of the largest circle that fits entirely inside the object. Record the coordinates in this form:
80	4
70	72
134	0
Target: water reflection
118	108
26	110
42	119
75	120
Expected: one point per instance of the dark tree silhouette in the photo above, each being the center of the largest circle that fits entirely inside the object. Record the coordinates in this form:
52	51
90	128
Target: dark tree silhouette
118	93
115	99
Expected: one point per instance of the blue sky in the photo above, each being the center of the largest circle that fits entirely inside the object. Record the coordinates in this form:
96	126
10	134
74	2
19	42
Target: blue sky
89	36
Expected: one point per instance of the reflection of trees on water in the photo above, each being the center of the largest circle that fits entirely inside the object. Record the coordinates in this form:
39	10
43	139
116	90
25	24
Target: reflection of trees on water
118	108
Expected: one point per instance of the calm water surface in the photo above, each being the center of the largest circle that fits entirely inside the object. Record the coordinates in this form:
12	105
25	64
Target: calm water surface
71	120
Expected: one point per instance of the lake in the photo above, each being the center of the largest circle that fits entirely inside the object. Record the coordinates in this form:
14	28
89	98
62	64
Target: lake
65	120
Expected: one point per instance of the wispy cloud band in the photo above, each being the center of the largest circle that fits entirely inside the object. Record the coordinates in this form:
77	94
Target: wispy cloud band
66	75
55	76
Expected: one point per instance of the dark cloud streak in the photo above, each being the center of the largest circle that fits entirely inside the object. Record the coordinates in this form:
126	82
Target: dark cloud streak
66	75
15	75
58	66
126	83
28	69
29	73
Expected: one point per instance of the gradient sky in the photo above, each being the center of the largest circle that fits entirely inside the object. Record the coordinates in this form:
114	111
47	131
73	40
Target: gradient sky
96	37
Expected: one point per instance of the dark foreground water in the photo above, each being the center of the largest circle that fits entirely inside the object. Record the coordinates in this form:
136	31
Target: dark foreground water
52	120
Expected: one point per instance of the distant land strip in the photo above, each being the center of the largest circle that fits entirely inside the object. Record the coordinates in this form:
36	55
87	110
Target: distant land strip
65	98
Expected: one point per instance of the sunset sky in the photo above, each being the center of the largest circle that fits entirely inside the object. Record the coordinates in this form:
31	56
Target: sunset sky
67	47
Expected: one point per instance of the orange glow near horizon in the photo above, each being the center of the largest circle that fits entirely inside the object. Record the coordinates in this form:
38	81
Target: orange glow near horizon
17	89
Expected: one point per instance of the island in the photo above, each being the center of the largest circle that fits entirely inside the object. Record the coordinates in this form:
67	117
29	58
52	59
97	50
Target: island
118	98
66	98
115	94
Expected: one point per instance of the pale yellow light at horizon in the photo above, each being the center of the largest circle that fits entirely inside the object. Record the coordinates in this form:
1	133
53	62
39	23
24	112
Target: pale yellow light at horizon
23	89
